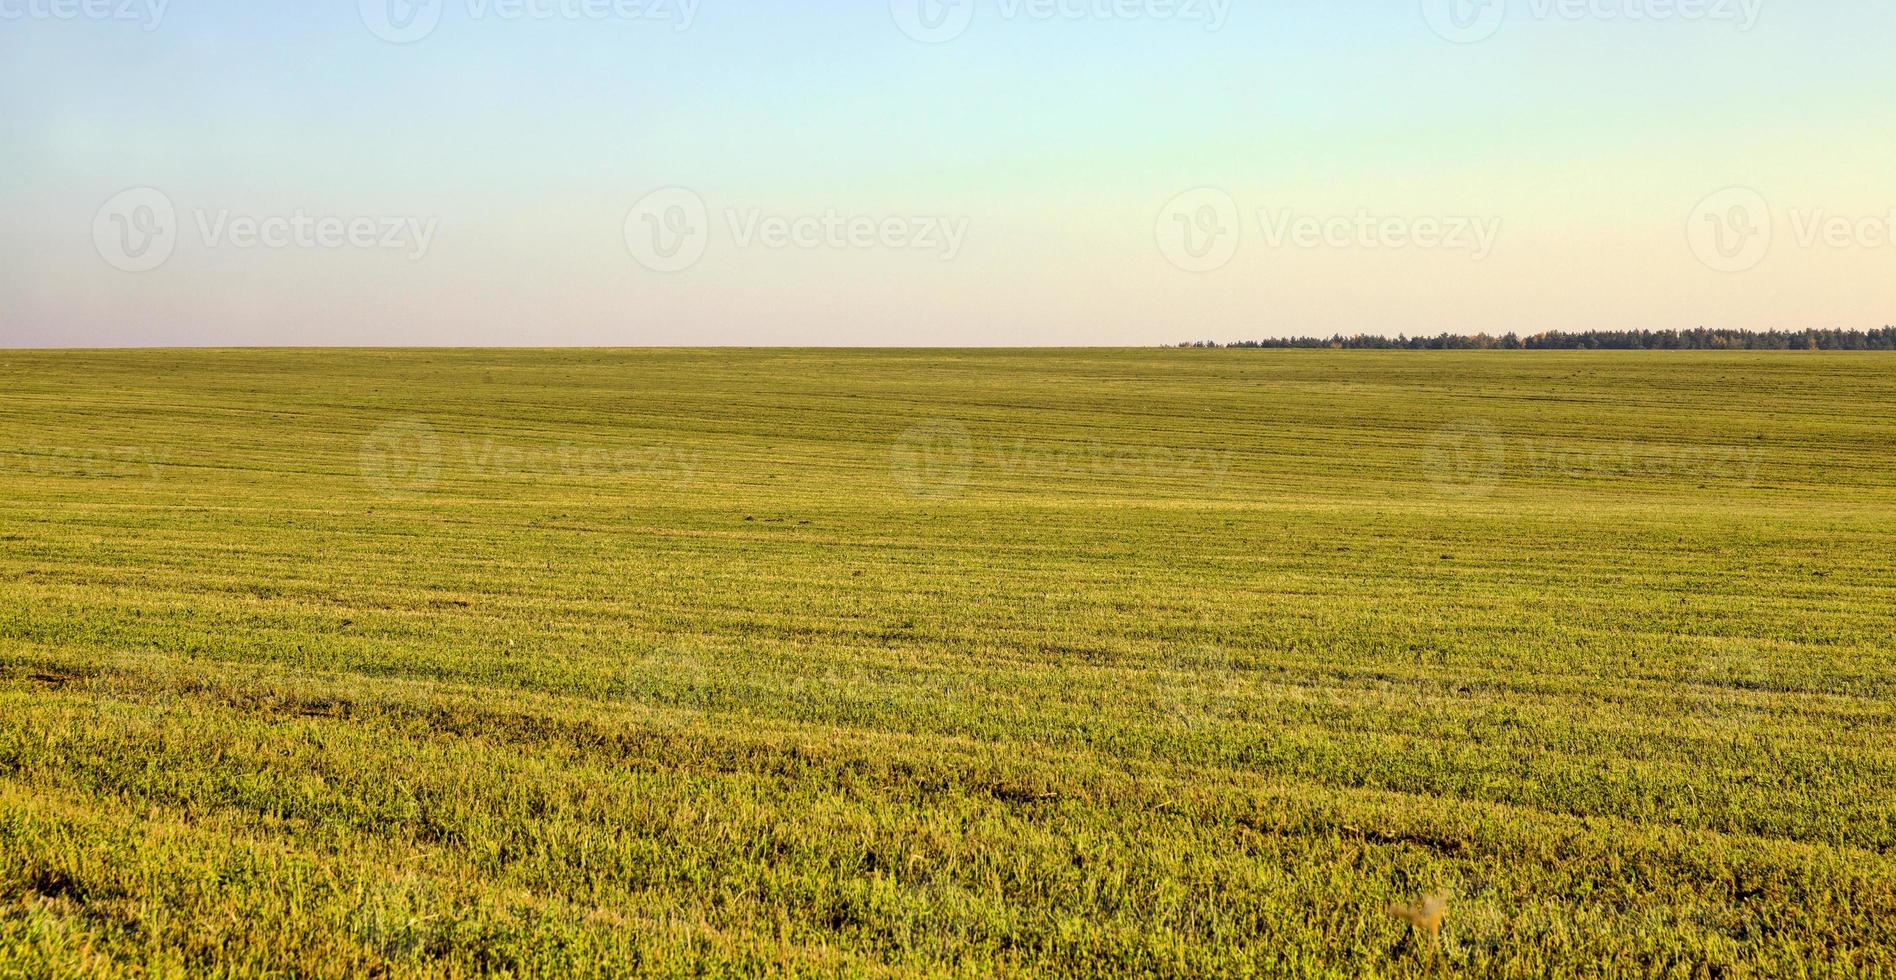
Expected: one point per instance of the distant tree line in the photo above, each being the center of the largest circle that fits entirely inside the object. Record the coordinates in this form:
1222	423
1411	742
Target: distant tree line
1697	339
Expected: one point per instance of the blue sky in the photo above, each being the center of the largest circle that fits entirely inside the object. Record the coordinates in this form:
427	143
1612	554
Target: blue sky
1606	152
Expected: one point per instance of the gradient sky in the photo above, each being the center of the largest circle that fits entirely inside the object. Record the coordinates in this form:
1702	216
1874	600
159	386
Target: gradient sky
1060	142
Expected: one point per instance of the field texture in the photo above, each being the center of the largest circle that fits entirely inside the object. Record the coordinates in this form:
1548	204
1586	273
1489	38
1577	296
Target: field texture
1162	663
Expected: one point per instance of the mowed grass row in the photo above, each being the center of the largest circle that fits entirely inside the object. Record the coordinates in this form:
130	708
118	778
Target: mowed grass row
867	663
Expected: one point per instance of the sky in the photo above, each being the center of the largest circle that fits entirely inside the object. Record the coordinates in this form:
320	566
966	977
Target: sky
937	172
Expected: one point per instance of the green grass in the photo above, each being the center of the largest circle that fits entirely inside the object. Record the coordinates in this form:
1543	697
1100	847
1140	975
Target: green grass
1165	663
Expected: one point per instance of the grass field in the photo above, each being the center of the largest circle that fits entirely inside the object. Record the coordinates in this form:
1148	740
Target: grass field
1150	663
